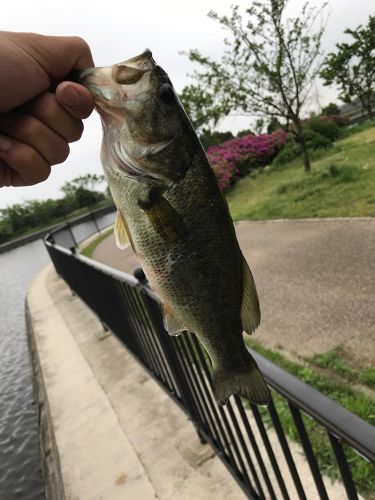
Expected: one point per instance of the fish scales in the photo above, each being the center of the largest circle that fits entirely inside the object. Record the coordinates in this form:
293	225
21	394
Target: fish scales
179	225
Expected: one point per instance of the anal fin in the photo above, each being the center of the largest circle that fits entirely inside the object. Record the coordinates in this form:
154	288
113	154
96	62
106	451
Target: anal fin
172	324
250	310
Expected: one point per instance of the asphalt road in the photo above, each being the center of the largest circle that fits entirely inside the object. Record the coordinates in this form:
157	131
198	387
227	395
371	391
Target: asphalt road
315	279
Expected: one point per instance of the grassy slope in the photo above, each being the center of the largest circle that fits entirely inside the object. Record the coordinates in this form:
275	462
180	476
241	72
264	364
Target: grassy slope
340	391
341	184
90	248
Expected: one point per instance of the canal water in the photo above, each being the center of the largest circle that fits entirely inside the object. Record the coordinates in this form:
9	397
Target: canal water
20	466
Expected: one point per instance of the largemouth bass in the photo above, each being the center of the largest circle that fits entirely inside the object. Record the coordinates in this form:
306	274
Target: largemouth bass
170	208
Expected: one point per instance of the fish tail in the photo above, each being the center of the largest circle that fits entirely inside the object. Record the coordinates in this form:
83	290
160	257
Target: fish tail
248	383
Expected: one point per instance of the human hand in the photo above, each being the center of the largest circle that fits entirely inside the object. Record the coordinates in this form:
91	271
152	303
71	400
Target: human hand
36	124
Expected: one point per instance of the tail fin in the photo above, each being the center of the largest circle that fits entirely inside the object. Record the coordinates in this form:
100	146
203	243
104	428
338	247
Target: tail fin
248	384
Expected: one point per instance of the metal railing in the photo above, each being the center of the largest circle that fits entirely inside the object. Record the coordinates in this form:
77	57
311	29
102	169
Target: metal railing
252	442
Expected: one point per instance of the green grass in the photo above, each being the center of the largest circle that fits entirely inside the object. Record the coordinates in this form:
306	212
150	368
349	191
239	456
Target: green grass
90	248
333	361
353	400
341	184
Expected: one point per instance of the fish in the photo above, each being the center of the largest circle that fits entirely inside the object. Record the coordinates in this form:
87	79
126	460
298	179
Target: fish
170	208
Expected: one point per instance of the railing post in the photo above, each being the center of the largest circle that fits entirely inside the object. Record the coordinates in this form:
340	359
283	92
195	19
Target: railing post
169	351
95	221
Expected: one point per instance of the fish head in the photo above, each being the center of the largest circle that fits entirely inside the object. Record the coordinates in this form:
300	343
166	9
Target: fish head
135	99
121	88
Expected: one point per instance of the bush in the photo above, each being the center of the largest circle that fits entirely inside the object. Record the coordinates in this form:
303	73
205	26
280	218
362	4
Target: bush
314	140
226	174
238	157
325	127
287	154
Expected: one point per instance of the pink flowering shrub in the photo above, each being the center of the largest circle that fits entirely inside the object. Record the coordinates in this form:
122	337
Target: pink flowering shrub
235	158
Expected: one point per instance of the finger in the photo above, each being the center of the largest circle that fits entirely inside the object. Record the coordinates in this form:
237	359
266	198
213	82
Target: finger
24	166
75	98
58	55
47	109
29	130
31	62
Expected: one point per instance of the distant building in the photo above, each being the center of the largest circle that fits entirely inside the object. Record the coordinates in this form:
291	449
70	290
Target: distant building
354	111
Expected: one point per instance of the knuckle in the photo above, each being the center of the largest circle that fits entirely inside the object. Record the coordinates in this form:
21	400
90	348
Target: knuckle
28	126
48	107
82	45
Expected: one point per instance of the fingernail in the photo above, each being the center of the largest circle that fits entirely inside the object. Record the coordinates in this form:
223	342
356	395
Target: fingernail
70	97
5	143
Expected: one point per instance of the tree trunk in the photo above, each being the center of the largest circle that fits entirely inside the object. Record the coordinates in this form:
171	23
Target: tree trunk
305	154
302	144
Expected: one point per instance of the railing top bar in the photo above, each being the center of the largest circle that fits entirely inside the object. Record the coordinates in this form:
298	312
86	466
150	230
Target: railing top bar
111	271
339	421
80	218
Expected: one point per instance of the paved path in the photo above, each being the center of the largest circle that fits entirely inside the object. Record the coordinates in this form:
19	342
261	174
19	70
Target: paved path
316	282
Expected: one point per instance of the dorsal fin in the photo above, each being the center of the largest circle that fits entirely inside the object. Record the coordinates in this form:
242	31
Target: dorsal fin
250	310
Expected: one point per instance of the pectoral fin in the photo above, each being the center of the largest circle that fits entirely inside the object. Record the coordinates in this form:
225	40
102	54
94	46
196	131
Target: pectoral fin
166	221
122	233
250	311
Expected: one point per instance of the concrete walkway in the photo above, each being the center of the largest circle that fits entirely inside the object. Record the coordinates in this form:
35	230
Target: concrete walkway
315	280
108	431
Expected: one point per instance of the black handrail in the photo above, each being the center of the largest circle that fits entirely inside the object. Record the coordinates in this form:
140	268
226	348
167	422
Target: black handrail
180	366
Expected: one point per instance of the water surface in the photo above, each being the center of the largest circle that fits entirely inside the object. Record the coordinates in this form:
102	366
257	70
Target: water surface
20	467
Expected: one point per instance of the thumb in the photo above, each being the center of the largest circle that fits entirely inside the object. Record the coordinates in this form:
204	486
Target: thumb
75	98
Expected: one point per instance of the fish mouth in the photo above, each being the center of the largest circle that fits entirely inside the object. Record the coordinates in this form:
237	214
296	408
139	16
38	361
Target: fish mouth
97	81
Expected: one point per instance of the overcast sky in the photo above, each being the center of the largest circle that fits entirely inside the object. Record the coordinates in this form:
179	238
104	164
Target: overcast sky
117	30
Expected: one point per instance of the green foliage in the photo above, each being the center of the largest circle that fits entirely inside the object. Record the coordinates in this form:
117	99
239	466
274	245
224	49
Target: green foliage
19	218
331	110
326	128
87	181
267	69
287	154
352	67
314	140
355	401
87	198
210	138
273	125
242	133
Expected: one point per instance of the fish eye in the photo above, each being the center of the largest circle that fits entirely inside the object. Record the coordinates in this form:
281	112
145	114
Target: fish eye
166	93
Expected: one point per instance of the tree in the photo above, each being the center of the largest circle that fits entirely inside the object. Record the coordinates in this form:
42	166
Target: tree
268	67
352	67
330	110
87	181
